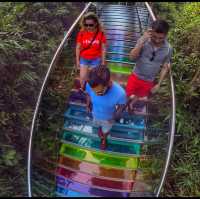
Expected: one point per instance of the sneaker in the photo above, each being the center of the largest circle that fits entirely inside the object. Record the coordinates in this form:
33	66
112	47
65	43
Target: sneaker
100	134
103	143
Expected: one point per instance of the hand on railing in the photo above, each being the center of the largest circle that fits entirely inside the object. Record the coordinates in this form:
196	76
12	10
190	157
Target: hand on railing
119	110
147	35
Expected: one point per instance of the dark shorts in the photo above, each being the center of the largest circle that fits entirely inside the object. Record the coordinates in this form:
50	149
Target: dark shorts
138	87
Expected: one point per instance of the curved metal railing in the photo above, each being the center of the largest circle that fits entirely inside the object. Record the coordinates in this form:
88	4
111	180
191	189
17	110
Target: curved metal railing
172	130
140	25
42	90
173	120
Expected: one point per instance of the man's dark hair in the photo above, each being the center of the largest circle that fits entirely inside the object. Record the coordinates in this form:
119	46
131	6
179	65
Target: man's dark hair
99	75
160	26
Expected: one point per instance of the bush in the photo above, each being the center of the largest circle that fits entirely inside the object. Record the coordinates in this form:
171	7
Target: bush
184	175
29	36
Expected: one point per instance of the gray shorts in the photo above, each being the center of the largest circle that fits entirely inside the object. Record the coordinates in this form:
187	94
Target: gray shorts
105	125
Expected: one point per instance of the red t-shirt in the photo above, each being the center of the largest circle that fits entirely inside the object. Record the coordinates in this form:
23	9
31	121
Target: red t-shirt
84	38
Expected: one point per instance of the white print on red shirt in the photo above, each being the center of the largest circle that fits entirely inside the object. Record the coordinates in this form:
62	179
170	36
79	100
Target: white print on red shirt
87	41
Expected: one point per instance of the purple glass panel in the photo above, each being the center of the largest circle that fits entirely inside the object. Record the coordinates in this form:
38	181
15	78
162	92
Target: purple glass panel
94	181
69	184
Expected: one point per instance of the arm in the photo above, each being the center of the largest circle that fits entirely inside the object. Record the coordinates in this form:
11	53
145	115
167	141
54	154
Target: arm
166	67
120	105
78	46
135	52
120	108
88	103
164	71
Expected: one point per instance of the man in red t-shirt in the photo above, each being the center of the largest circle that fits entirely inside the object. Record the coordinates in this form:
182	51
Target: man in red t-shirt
90	47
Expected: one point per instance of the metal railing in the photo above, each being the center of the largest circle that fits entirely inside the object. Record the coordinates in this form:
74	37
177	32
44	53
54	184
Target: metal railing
140	24
56	55
173	120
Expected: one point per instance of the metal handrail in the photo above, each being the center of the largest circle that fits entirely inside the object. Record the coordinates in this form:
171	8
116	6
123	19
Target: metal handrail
58	51
43	86
173	120
140	24
150	11
121	62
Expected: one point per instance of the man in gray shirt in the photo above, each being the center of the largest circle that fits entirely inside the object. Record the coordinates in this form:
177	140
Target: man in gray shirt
152	54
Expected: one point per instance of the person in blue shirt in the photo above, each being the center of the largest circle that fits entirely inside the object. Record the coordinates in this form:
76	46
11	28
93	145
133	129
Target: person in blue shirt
107	99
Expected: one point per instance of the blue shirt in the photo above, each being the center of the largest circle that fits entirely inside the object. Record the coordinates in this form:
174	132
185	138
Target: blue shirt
104	106
146	69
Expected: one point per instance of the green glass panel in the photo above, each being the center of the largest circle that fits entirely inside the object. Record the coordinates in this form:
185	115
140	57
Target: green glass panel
99	157
120	69
94	142
98	170
115	57
133	122
83	127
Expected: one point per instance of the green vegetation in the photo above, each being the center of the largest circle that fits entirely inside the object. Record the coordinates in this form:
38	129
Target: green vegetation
29	36
184	174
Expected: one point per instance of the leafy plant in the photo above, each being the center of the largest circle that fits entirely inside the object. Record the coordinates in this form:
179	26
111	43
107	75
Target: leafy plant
183	176
30	33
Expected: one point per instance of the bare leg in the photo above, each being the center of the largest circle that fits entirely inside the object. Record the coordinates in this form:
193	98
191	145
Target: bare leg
103	145
143	98
105	132
83	75
132	100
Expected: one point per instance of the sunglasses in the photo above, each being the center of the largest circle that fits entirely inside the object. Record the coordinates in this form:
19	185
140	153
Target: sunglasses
153	56
88	24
